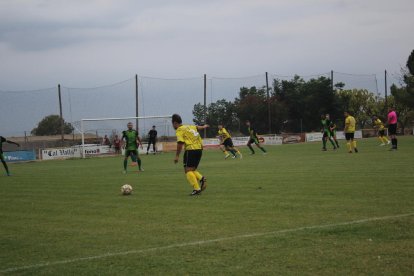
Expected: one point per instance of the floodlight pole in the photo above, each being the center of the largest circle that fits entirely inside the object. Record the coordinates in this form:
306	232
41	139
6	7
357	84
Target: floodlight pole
332	81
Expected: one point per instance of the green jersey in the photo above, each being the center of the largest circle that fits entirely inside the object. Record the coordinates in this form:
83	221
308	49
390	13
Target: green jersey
252	133
130	137
2	140
325	125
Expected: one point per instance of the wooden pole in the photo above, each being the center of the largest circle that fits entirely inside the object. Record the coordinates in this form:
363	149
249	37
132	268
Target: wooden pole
269	118
62	125
205	104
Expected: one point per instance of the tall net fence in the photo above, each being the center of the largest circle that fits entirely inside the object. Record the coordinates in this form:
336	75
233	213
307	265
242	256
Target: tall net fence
359	81
23	110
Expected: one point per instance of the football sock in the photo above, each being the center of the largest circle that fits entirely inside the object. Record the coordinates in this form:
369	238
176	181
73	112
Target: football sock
324	143
348	144
354	144
385	139
262	149
395	143
332	142
225	152
381	139
139	163
251	149
5	166
192	179
337	143
125	164
233	152
198	175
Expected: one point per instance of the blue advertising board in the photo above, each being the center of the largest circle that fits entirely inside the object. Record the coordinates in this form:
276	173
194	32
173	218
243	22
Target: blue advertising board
21	155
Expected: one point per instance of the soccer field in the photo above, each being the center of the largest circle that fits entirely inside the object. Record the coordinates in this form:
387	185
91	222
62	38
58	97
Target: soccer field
297	210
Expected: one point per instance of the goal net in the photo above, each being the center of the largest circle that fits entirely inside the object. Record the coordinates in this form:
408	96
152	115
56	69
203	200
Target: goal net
99	134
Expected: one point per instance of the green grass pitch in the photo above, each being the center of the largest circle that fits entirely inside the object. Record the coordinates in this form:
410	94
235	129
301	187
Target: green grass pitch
297	210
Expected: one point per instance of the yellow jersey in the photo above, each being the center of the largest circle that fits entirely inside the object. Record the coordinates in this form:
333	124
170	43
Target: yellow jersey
349	124
378	124
224	134
188	134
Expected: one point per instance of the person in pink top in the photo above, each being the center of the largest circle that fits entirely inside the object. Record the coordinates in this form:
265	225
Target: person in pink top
392	127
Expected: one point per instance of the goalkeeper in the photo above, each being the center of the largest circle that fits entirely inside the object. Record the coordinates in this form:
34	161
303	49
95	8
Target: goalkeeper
4	140
132	140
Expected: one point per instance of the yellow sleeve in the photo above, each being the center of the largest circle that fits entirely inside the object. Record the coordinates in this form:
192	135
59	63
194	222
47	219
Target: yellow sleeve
180	135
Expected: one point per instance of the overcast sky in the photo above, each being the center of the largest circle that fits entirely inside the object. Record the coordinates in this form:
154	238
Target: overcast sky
83	43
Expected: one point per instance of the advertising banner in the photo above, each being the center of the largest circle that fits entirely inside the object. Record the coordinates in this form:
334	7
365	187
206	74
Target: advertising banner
317	136
63	153
21	155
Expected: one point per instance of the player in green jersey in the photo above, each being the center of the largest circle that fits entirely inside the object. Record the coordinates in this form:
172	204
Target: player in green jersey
253	138
332	130
132	141
4	140
326	132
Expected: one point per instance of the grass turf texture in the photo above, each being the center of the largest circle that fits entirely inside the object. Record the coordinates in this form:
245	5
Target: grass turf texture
66	210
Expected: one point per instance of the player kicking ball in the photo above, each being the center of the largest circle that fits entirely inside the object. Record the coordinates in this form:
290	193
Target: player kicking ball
189	139
4	140
132	140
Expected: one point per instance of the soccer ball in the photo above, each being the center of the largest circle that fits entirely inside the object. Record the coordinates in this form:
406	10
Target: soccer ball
126	189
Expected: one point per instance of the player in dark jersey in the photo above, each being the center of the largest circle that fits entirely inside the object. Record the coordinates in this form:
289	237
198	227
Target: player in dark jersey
326	133
152	139
132	140
4	140
253	138
332	130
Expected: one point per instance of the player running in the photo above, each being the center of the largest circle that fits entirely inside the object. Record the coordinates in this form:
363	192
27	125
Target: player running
227	143
253	138
379	126
326	132
4	140
132	140
189	139
349	131
152	139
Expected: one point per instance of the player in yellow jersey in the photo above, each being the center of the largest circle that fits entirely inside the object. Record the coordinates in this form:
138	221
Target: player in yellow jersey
349	131
378	125
189	139
227	143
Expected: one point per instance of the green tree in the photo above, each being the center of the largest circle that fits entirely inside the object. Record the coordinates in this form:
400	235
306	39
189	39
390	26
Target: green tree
220	112
50	125
361	103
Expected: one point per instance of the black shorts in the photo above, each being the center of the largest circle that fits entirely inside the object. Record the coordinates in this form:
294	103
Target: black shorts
228	143
392	129
381	132
152	141
128	153
253	140
325	134
349	136
192	158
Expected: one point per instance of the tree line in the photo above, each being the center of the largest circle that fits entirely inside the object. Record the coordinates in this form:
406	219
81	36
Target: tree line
296	105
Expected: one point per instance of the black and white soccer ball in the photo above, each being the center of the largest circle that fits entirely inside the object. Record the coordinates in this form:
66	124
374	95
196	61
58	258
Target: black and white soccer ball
126	189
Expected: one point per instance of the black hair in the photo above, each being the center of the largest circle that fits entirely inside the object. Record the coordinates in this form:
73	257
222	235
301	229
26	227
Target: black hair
176	119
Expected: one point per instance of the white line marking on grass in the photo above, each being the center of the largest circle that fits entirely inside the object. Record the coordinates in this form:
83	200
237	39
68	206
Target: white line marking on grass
178	245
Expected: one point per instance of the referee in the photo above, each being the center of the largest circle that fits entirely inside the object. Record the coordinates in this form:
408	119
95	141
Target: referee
152	139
